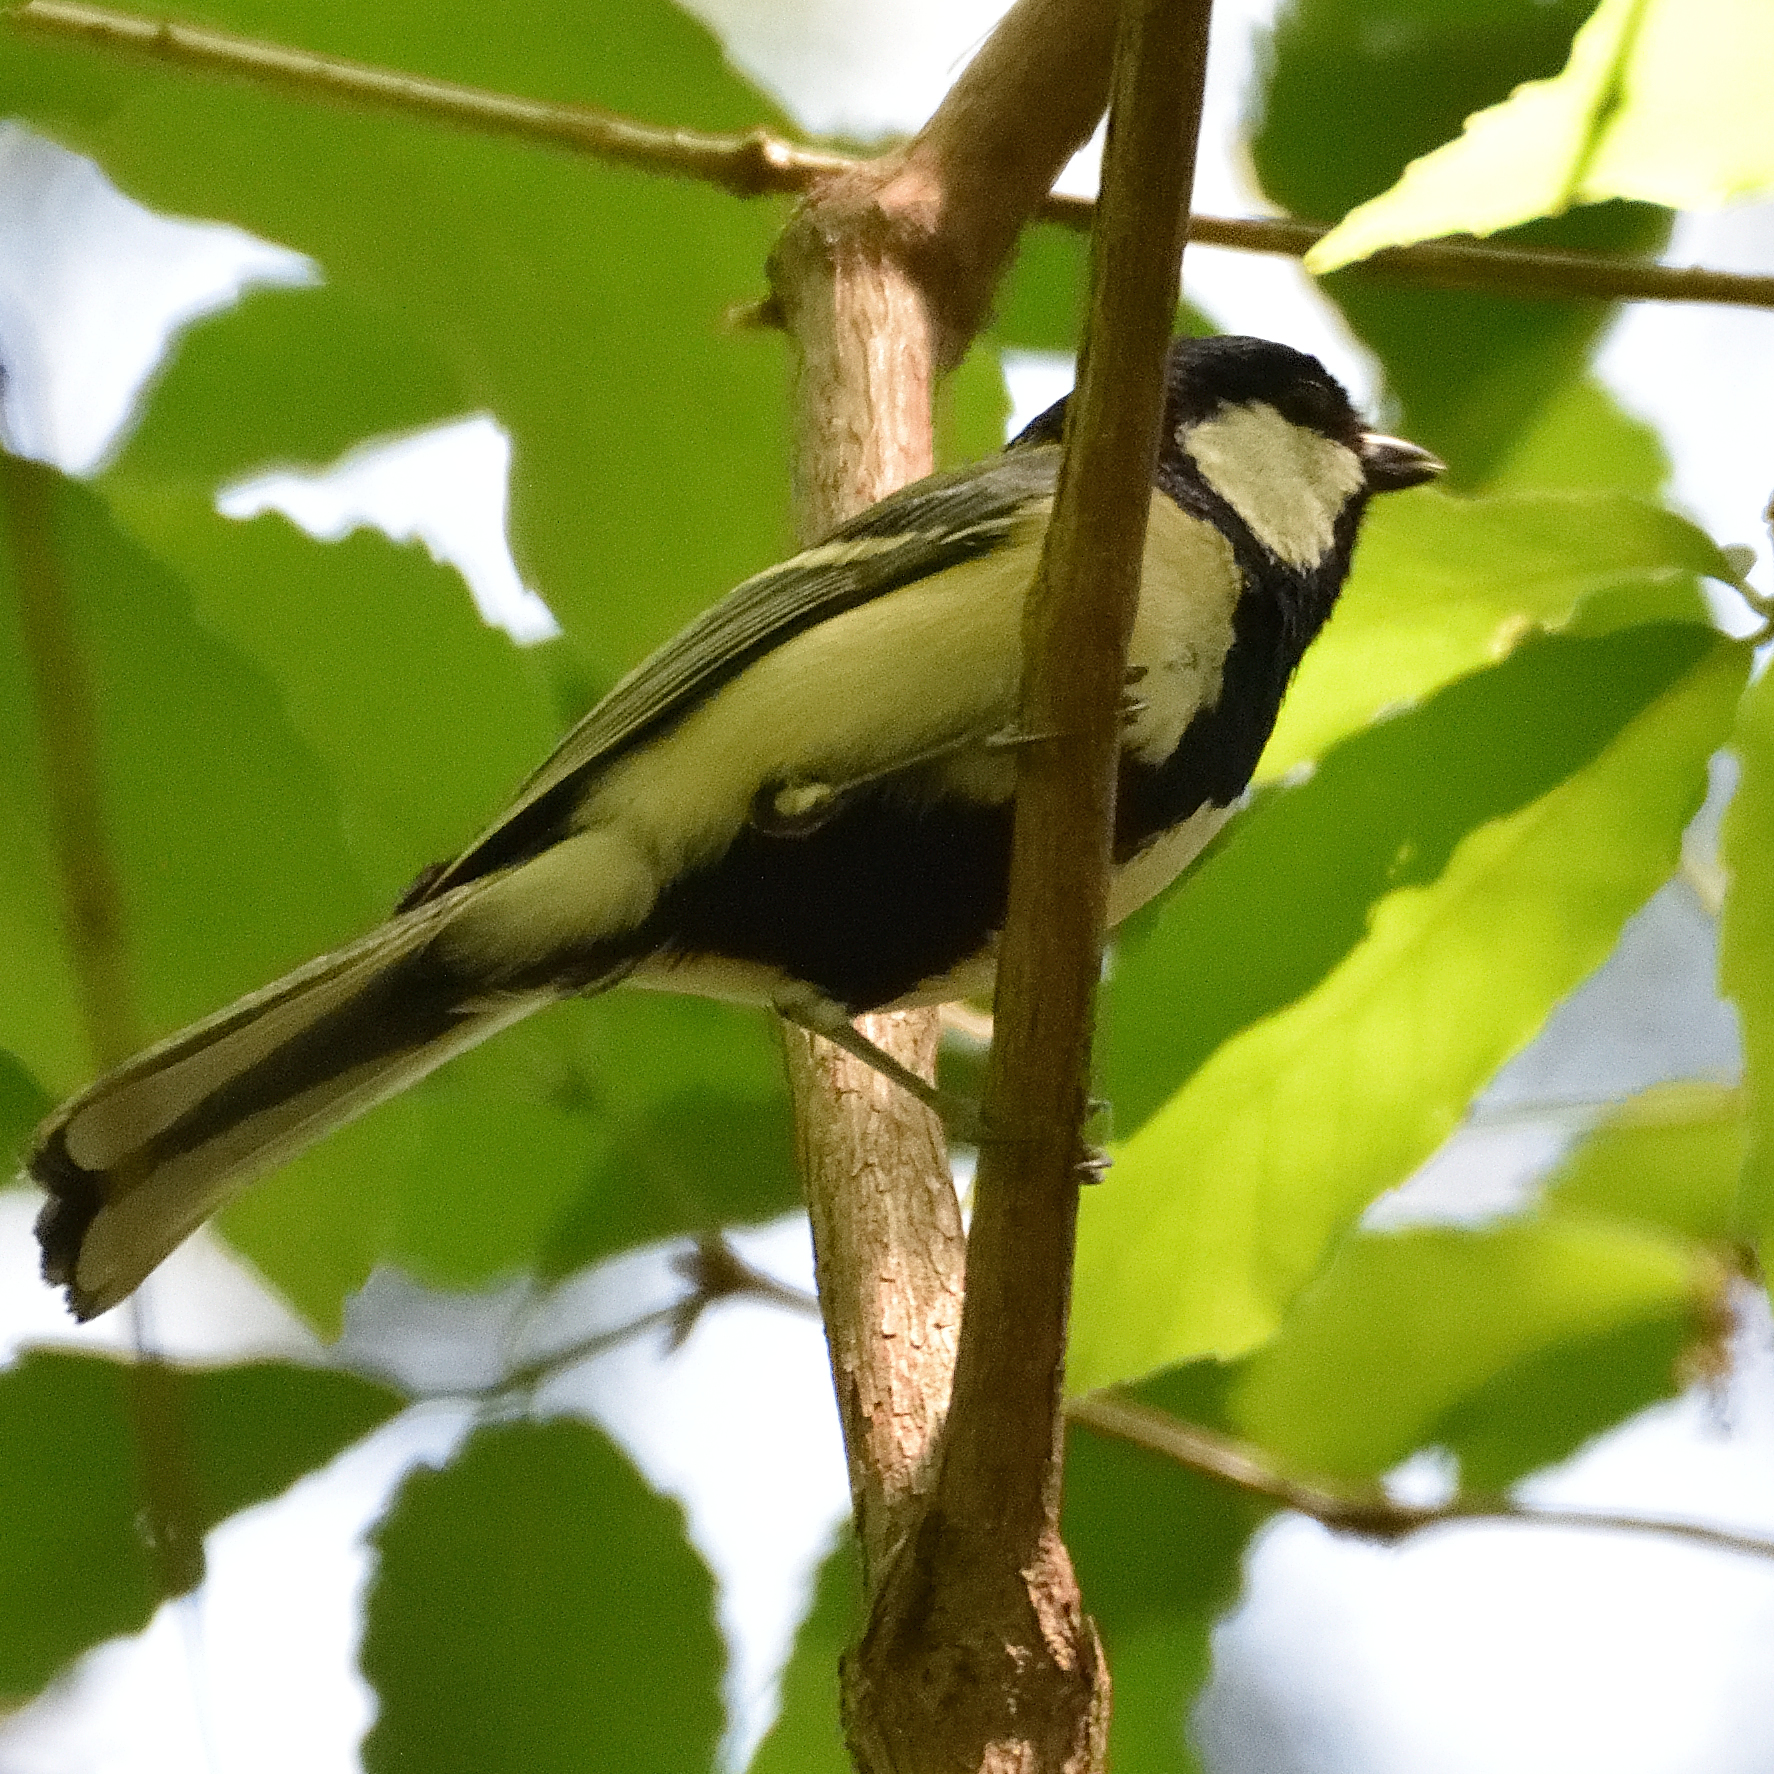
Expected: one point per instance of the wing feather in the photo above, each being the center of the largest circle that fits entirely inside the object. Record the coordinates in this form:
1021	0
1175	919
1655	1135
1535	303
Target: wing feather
933	524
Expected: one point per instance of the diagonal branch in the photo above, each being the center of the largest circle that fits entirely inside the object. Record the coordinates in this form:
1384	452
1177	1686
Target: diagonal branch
759	164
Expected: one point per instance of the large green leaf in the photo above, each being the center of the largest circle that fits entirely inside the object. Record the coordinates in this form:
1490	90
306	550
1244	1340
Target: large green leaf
1405	1331
1307	867
1387	80
424	718
580	304
23	1103
536	1608
74	1566
1359	1031
1746	950
1664	100
1444	586
223	833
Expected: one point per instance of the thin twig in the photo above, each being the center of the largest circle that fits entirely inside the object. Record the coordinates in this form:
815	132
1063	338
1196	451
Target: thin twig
1366	1509
758	163
753	164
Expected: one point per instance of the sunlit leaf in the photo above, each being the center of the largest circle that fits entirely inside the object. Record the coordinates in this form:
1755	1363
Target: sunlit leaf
1444	586
1402	1328
1671	1157
1360	1040
1662	100
1469	372
535	1606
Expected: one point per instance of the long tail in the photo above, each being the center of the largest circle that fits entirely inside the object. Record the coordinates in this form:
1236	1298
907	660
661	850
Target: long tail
138	1160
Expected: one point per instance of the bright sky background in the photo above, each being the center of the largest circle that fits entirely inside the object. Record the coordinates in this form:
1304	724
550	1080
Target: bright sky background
1466	1652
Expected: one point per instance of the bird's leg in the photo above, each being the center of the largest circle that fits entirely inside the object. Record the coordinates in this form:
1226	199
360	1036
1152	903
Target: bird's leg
819	1015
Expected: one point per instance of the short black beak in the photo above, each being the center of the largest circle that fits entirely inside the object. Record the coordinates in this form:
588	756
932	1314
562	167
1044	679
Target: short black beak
1392	464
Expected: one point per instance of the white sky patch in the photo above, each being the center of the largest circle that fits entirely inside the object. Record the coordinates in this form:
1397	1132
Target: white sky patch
1034	380
92	287
447	487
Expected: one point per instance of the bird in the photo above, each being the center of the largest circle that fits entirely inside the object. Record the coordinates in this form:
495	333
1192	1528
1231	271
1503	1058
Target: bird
804	800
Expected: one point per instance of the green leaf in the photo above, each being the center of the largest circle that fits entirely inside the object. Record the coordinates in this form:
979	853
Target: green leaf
425	719
1159	1554
74	1568
1343	1033
581	305
536	1607
1403	1330
1746	950
1582	442
223	830
326	367
1387	80
1309	866
1444	586
696	1126
808	1736
1662	100
1670	1158
23	1103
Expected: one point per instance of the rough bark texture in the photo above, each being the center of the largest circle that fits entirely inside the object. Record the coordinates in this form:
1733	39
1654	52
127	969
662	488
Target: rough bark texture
977	1654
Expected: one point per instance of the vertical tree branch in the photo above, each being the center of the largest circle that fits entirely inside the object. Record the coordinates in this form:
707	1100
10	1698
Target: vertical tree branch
980	1623
881	278
886	1227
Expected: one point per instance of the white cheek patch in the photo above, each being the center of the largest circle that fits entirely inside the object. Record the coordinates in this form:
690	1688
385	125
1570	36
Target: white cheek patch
1289	483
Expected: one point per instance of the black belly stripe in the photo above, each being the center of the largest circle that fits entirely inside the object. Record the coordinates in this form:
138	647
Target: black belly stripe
887	892
896	888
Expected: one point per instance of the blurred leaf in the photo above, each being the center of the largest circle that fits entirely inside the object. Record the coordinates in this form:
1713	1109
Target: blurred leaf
536	1607
808	1736
1403	1328
425	718
581	305
1670	1158
23	1103
1291	890
1470	371
1040	303
326	368
1363	1032
972	408
1444	586
1548	1406
1158	1551
74	1569
1746	950
1582	442
196	756
1664	100
699	1132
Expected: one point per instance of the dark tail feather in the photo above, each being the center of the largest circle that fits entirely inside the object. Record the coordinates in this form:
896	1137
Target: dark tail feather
139	1160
